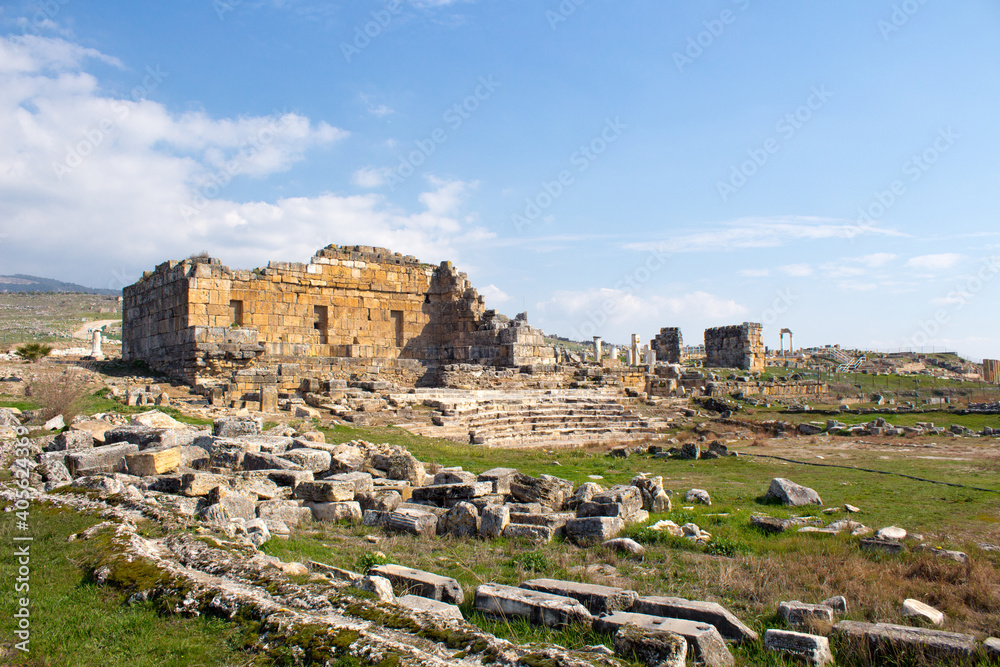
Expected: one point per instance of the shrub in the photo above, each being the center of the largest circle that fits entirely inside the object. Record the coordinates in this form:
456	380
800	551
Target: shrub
59	394
370	560
531	561
33	351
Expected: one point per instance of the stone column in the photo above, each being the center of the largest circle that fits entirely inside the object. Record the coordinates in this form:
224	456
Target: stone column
634	358
597	349
95	344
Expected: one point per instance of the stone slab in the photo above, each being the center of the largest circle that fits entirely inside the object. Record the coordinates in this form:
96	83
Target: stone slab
597	599
418	582
704	642
505	602
730	627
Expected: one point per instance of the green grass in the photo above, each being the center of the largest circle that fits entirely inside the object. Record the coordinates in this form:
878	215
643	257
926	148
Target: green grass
74	622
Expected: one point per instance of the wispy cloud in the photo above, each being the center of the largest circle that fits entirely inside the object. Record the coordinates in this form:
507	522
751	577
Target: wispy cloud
761	233
937	262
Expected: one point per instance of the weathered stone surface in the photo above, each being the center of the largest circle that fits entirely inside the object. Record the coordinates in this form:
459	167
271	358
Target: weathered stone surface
690	451
698	496
992	647
268	461
629	498
921	611
362	481
289	477
413	521
231	427
506	602
792	494
712	613
256	484
323	491
770	524
651	647
890	533
107	458
500	478
813	649
382	501
147	463
799	614
380	586
335	511
258	532
442	493
493	519
226	453
593	530
70	440
625	545
462	520
143	436
597	599
310	459
838	603
288	512
54	473
418	582
347	458
429	606
455	477
156	419
704	641
545	490
886	639
530	532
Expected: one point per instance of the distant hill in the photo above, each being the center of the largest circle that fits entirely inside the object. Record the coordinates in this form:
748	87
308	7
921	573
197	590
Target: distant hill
22	283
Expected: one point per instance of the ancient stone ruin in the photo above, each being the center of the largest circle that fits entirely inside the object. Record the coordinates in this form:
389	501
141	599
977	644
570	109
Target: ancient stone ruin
991	371
668	345
739	346
350	312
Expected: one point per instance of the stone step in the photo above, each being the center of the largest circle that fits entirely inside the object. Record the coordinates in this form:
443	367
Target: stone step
891	640
730	627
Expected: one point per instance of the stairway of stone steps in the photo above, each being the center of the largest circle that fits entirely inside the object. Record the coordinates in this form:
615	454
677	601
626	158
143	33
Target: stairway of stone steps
526	418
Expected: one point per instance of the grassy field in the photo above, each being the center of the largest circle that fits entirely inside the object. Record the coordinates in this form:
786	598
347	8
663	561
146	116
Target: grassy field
75	622
48	318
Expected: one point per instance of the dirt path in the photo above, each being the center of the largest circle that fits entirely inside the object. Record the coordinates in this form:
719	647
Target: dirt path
84	331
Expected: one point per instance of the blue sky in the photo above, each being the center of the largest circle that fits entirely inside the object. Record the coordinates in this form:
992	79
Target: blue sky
612	167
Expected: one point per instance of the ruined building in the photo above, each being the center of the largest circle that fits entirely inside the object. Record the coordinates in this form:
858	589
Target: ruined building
350	313
668	345
991	371
738	346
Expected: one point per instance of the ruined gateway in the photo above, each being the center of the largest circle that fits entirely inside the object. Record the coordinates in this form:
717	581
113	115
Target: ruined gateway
351	313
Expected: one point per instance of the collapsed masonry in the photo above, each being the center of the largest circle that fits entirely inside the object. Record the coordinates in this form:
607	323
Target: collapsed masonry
351	313
668	345
991	371
738	346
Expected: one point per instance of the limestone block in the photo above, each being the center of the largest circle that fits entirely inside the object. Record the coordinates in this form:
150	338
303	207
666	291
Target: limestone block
730	627
323	491
812	649
418	582
505	602
150	462
335	511
798	614
107	458
651	647
593	530
427	605
493	519
597	599
704	641
792	494
533	533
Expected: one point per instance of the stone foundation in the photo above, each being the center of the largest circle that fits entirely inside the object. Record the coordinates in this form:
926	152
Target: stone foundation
739	346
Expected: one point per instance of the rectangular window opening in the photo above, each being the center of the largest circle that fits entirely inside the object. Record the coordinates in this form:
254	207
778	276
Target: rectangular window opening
236	312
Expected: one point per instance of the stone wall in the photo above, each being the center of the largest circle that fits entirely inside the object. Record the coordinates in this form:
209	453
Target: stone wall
991	371
668	345
738	346
351	312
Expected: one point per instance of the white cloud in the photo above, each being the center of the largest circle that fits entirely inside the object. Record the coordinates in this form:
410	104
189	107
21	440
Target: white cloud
938	262
876	260
796	270
615	313
761	233
755	273
100	188
493	294
368	177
